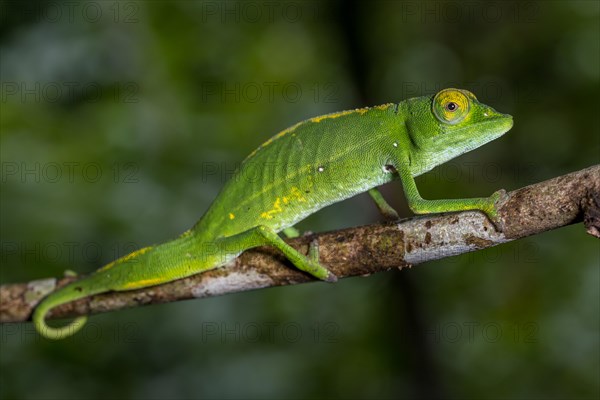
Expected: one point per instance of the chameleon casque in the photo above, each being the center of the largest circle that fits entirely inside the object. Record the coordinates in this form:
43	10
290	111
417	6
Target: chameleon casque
306	167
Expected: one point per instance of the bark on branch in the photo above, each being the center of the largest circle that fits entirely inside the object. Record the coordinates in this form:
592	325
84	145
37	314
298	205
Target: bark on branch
348	252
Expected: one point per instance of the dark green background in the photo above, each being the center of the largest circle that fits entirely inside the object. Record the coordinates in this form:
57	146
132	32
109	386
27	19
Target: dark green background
163	99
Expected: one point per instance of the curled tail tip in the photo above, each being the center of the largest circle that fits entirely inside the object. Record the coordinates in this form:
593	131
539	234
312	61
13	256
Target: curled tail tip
59	333
49	332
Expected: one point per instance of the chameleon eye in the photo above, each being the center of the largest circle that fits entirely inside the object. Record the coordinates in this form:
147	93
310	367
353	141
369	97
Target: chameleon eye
451	106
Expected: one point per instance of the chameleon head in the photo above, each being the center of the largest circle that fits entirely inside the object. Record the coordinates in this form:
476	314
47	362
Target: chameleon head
451	123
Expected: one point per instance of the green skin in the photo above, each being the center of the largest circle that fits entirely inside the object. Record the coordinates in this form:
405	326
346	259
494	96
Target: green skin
309	166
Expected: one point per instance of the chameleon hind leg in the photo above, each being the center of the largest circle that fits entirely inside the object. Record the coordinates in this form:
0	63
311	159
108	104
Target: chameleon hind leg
384	208
313	248
265	236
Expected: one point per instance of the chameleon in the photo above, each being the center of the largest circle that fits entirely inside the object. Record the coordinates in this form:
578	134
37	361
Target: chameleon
304	168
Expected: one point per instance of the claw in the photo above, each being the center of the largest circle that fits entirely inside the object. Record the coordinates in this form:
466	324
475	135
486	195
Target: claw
497	199
331	278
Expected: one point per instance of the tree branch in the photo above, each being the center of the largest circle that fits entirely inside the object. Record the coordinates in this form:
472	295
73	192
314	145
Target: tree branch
348	252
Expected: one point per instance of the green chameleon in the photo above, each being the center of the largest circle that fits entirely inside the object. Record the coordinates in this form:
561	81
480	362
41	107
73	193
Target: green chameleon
306	167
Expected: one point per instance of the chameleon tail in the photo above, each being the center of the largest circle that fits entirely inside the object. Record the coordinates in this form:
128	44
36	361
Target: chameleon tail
133	271
116	275
71	292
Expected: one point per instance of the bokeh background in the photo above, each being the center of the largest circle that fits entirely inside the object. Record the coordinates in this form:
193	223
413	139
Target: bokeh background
120	121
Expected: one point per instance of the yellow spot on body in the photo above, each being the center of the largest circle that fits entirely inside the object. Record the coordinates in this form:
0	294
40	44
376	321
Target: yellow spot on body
297	195
231	215
384	106
142	283
186	233
126	258
361	111
294	195
275	210
107	266
136	253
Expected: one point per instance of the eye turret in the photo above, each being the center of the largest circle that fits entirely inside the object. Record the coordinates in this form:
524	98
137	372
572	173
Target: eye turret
451	106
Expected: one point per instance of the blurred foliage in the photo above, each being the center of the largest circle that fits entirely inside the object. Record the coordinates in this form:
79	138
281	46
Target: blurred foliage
120	121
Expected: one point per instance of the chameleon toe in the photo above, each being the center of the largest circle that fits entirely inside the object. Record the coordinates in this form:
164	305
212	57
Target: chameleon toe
331	278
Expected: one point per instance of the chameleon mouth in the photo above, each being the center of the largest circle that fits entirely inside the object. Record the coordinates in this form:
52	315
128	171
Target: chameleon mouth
469	138
490	129
499	125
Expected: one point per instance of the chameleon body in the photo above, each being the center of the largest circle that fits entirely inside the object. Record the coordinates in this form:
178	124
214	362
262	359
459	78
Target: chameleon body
304	168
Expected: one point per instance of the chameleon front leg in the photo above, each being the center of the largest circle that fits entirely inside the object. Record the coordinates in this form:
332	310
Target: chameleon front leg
418	205
384	208
262	235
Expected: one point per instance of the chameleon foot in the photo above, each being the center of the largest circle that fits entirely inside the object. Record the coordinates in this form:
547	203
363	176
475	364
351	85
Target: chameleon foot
495	201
